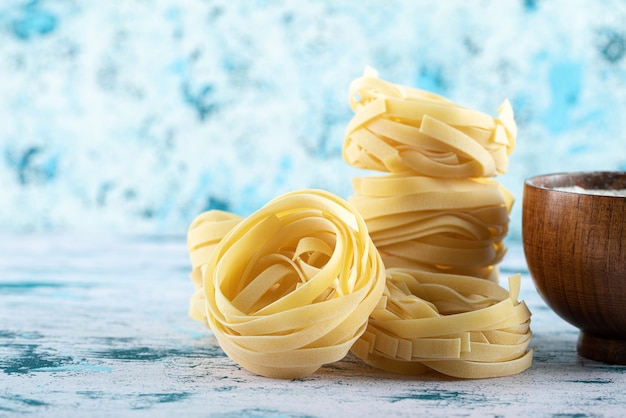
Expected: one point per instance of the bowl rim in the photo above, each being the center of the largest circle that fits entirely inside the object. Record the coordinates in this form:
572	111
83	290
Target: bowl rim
533	182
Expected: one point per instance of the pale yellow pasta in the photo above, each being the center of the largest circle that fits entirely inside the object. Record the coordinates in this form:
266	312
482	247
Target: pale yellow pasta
203	235
448	225
290	287
397	128
460	326
302	281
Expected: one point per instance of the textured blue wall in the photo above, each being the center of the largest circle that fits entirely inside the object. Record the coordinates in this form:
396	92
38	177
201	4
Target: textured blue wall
135	116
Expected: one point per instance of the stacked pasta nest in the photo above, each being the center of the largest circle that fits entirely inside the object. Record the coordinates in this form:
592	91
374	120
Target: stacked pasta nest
437	208
404	275
438	219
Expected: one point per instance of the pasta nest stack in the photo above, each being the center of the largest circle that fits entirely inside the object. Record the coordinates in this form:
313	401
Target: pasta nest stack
288	288
434	209
439	222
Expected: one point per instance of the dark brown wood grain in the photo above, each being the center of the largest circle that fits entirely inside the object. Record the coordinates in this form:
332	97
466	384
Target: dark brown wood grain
575	247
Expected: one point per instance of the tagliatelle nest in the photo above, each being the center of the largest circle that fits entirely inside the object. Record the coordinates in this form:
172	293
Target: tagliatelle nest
288	288
460	326
442	225
403	129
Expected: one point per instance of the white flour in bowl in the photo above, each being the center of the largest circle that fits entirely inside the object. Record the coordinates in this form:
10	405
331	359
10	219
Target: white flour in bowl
600	192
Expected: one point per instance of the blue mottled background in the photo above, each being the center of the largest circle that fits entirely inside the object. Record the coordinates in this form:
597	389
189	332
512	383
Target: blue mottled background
134	116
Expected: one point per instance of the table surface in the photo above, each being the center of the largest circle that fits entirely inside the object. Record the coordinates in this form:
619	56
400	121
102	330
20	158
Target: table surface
99	325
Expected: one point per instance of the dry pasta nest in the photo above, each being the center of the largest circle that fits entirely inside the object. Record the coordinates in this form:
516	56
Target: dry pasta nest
443	225
460	326
397	128
288	288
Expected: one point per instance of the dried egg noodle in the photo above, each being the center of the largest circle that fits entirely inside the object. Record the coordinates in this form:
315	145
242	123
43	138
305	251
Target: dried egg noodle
397	128
460	326
205	232
301	282
290	287
448	225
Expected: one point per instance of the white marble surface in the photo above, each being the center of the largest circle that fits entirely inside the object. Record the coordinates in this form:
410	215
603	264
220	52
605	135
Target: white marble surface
98	327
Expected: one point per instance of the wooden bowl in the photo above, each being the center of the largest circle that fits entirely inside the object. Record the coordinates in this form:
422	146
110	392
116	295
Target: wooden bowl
575	246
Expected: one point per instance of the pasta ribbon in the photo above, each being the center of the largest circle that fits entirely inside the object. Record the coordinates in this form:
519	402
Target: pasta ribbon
460	326
398	128
448	225
205	232
288	288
